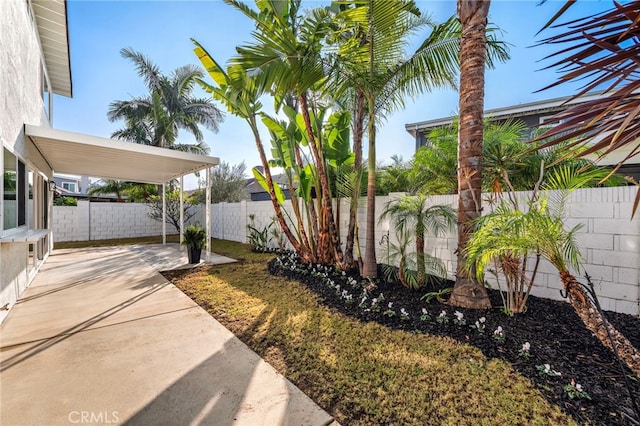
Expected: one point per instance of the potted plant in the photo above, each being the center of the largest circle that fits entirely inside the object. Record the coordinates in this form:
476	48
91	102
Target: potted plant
194	238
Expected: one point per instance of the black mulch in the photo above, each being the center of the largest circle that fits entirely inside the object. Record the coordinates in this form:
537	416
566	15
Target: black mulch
555	333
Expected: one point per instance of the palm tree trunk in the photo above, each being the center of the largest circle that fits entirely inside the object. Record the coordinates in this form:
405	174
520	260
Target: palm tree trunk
468	292
328	247
296	207
305	256
597	324
353	206
370	268
420	255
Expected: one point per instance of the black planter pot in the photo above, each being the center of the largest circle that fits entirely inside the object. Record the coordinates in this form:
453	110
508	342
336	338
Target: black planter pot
194	254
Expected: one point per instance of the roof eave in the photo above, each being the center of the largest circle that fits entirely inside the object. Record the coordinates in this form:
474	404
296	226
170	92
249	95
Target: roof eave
52	19
548	105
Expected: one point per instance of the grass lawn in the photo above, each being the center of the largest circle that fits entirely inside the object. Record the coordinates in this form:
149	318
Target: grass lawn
361	373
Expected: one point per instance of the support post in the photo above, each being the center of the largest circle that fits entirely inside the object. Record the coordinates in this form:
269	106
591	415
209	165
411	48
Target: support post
181	209
208	213
164	213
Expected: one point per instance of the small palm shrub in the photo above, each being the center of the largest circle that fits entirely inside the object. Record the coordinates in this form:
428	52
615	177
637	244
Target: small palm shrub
194	236
509	240
258	238
413	219
407	270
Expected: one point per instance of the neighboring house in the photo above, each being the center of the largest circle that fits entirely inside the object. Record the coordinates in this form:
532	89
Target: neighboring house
531	114
76	186
255	191
34	65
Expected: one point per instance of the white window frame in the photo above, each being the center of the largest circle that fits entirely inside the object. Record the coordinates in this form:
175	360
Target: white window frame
17	228
69	186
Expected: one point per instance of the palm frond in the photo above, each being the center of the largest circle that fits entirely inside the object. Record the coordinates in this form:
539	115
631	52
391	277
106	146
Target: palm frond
600	51
145	68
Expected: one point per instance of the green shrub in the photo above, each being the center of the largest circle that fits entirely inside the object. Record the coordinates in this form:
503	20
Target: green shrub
65	201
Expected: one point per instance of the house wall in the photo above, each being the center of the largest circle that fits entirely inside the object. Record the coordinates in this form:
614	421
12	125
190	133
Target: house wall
20	89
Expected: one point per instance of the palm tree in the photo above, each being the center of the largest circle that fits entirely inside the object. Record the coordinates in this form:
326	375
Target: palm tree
373	75
508	163
395	177
110	186
510	234
156	119
286	56
468	292
241	95
414	213
600	51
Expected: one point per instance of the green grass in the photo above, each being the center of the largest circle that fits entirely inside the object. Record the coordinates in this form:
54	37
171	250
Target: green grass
361	373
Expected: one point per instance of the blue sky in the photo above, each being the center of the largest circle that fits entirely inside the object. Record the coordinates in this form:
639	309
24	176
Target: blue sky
162	31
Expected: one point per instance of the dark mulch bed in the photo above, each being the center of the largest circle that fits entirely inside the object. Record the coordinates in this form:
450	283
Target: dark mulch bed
555	333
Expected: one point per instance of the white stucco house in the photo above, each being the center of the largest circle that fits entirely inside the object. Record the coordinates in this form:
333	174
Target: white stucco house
35	64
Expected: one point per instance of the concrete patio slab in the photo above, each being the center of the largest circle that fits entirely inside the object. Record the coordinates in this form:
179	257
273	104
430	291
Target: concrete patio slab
101	338
171	256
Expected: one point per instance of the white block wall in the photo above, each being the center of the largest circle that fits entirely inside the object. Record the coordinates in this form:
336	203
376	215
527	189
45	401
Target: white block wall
99	221
609	240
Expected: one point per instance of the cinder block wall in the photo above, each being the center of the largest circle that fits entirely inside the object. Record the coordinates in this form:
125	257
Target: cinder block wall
609	240
99	221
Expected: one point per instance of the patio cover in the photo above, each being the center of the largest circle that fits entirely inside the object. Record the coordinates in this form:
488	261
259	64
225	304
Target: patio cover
80	154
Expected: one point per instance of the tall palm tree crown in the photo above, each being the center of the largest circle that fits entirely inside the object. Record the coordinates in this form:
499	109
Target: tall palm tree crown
170	106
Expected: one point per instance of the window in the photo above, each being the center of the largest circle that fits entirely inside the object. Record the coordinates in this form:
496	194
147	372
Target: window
22	194
69	186
9	187
549	122
14	194
32	206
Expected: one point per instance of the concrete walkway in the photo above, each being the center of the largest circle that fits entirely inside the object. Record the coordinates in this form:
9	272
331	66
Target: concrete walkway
101	338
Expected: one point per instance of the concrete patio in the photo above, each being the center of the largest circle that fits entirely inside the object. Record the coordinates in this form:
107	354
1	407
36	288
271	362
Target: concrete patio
100	337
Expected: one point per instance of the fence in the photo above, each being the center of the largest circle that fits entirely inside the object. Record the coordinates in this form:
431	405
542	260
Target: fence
99	221
609	240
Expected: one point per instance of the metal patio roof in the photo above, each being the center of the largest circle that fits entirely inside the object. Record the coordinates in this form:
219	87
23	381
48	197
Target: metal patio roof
80	154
